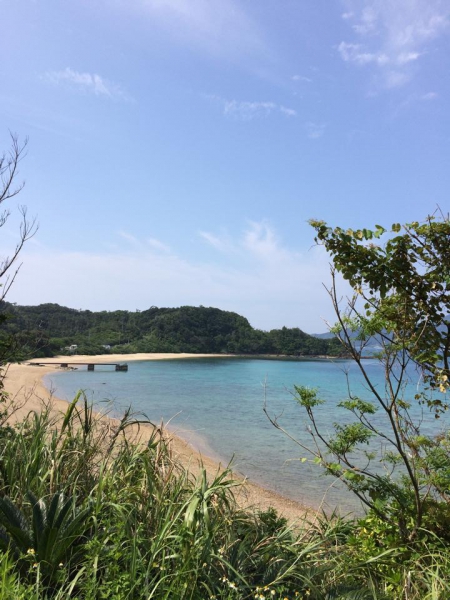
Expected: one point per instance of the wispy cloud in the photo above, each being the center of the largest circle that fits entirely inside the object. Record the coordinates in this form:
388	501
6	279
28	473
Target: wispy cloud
130	238
87	82
354	53
247	111
262	242
158	245
137	244
289	112
315	130
301	78
392	35
221	243
415	99
222	28
429	96
258	241
255	274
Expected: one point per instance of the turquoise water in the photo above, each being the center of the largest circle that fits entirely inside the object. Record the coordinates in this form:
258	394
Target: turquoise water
217	404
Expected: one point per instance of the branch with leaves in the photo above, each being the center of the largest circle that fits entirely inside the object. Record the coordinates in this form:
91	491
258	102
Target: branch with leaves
400	300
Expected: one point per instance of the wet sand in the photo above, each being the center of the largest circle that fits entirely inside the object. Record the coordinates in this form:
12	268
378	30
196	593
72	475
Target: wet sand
24	384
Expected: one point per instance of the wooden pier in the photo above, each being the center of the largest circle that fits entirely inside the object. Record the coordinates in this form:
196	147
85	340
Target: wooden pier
90	366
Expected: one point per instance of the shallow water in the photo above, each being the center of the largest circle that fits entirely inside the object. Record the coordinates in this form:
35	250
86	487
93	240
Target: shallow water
217	404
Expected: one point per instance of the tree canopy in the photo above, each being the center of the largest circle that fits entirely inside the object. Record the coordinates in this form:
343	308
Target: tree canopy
401	297
405	285
49	329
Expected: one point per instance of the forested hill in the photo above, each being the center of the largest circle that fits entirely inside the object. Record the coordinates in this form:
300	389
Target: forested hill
49	329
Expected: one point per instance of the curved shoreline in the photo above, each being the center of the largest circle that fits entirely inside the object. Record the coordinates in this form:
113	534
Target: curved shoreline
24	382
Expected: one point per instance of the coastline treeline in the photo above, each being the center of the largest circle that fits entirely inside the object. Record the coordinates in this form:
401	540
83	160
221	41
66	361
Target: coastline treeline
50	329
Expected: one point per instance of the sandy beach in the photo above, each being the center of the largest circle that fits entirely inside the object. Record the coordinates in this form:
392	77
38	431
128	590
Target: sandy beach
24	384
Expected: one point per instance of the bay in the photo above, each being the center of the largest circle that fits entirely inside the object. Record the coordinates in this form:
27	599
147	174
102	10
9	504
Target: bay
217	405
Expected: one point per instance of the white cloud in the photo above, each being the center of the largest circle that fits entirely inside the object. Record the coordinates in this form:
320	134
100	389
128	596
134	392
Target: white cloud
354	53
429	96
315	130
367	22
259	277
131	239
393	35
394	79
247	111
158	245
87	82
221	243
289	112
415	98
301	78
260	240
137	244
406	57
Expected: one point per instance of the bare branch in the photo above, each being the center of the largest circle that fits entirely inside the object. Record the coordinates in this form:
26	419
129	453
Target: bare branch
9	165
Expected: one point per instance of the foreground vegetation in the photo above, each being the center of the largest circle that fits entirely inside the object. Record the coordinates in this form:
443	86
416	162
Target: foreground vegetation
87	513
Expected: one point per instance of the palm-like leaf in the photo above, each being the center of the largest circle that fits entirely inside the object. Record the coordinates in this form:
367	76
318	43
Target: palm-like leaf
53	532
16	530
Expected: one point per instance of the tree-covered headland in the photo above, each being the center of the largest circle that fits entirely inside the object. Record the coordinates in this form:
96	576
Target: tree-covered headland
48	329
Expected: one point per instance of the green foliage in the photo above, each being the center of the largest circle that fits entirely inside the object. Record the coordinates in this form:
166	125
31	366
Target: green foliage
348	437
307	397
139	525
50	329
49	537
402	300
358	407
128	521
405	285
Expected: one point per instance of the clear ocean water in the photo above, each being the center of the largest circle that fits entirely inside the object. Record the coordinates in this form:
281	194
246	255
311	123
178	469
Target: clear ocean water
217	404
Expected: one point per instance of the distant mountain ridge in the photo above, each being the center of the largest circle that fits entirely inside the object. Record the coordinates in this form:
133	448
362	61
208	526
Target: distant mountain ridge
50	329
323	336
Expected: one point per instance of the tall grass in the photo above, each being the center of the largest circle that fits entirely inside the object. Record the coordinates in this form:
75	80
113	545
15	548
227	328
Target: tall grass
87	512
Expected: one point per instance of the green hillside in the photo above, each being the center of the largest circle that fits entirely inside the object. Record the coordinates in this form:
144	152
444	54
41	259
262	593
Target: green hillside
50	329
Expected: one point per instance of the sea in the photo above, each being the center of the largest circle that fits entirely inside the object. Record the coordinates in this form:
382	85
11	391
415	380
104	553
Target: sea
217	405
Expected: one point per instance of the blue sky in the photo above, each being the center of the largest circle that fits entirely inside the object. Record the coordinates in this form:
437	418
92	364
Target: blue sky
177	148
